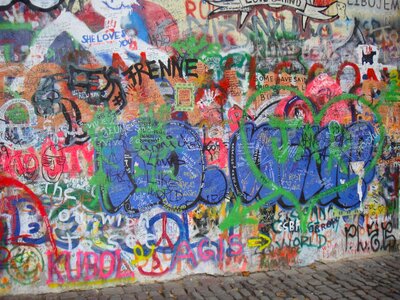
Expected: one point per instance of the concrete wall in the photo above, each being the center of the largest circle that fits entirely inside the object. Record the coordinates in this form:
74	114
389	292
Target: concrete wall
150	140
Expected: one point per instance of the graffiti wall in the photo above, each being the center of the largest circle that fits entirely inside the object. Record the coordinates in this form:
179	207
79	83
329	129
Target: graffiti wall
149	140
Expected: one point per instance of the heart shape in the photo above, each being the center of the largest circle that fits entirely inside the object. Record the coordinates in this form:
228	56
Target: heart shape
277	191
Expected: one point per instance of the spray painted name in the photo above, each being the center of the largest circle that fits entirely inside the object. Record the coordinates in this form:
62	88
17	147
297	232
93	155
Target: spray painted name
88	266
103	37
154	70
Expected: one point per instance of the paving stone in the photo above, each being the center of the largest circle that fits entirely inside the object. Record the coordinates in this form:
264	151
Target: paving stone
204	292
69	295
152	287
320	274
293	271
190	285
142	296
227	286
375	293
368	297
168	286
360	293
195	295
236	295
154	294
274	290
306	277
367	287
189	289
384	289
247	286
216	289
237	286
178	291
346	285
349	294
252	281
132	288
263	297
302	283
225	296
246	294
320	266
259	276
312	297
335	286
276	274
396	294
302	290
317	292
230	279
112	291
238	279
281	294
310	288
88	293
289	284
335	295
315	282
306	270
97	297
261	294
216	280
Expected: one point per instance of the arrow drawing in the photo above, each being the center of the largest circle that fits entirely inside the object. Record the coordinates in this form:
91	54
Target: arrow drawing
262	241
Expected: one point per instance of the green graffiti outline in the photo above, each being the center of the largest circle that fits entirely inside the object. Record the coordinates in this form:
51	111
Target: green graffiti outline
303	214
391	94
103	119
196	47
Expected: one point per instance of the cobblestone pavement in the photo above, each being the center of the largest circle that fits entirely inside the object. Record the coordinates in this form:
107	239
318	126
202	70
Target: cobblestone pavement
366	278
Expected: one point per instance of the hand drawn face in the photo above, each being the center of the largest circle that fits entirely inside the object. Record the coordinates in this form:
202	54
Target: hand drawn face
25	166
53	161
341	10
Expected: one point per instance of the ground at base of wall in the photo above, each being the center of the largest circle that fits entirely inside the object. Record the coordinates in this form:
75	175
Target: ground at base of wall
367	278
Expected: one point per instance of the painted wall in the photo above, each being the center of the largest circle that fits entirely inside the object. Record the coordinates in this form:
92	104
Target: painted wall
149	140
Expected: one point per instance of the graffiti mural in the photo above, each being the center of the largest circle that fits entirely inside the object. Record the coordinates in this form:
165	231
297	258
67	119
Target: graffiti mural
148	139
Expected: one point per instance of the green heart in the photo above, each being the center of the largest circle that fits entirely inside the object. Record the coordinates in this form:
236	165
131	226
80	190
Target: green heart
238	213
